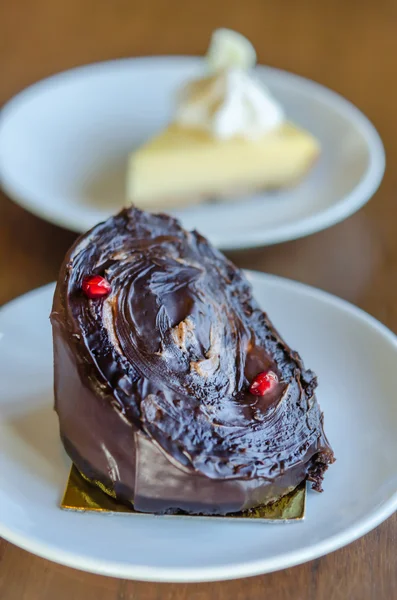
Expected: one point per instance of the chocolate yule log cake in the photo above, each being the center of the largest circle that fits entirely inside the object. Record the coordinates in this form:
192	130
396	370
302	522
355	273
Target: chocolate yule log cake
174	391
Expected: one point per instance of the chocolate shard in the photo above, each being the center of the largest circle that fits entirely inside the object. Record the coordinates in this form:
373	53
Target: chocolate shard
152	381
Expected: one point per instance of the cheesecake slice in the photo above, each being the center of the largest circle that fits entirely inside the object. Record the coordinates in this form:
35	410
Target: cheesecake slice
183	166
228	136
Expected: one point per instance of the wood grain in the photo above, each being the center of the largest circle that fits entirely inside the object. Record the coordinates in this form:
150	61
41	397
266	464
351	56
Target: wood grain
348	46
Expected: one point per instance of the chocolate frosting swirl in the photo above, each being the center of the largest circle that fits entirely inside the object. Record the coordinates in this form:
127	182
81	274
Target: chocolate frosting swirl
177	343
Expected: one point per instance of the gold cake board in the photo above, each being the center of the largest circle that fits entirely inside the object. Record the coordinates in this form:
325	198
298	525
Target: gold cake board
81	495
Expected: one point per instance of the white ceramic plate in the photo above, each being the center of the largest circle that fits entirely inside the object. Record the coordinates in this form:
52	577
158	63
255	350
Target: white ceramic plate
64	144
356	360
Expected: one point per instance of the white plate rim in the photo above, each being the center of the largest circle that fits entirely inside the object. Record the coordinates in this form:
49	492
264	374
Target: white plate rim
345	207
207	574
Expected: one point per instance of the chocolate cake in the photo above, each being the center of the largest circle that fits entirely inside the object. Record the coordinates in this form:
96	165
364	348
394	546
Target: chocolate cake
174	391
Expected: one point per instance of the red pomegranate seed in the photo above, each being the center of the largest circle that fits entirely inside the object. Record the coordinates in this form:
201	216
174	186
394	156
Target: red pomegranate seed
95	286
263	382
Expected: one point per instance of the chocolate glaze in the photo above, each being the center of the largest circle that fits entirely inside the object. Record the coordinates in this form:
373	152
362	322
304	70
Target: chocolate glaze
151	383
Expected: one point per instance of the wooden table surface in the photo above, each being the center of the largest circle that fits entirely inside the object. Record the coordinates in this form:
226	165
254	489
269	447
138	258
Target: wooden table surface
348	46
